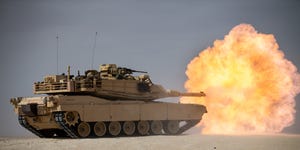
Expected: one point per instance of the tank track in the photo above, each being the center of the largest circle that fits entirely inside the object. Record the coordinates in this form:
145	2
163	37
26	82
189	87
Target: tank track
24	123
60	121
71	130
188	125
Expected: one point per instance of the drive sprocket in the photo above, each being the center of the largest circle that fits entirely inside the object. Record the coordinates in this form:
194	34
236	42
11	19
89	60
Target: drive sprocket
71	118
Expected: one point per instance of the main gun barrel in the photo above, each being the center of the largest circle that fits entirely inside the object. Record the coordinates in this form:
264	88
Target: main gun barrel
200	94
173	93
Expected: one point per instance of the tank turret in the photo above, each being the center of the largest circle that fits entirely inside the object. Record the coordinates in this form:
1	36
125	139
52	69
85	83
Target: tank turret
110	82
109	102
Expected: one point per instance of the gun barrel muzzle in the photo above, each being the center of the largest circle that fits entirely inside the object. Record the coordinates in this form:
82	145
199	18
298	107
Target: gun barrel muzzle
200	94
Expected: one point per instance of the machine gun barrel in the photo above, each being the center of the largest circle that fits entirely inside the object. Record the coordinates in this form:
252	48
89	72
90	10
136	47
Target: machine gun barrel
128	71
138	71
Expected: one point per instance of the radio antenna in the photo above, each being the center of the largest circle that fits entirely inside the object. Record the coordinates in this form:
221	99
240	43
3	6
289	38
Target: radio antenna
93	50
57	54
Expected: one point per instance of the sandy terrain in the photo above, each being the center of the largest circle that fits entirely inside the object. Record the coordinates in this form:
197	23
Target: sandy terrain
186	142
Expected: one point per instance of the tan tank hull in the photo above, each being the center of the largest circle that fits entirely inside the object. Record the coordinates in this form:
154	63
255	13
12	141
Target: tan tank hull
111	101
86	116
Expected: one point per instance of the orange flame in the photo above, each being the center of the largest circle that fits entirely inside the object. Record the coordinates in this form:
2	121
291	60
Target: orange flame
250	86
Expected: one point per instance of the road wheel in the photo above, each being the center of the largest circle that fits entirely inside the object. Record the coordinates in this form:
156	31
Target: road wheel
84	129
129	127
171	127
100	128
143	127
114	128
156	127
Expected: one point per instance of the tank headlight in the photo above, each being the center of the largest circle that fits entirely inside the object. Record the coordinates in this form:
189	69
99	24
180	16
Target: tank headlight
20	112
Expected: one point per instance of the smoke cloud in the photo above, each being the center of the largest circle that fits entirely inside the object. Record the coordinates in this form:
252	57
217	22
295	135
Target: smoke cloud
250	85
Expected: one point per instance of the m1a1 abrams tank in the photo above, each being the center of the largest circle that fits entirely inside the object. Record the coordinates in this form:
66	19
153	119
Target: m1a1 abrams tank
108	102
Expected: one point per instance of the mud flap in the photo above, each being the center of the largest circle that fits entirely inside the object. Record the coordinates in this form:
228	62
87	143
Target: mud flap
189	124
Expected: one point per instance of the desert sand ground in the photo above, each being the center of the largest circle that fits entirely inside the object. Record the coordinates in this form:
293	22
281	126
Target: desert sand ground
184	142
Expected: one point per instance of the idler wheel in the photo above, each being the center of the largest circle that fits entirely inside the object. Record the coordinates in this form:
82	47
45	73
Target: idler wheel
71	118
114	128
156	127
83	129
129	127
171	127
100	128
143	127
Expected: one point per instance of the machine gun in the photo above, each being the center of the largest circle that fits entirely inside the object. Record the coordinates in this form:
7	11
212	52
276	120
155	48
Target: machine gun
125	71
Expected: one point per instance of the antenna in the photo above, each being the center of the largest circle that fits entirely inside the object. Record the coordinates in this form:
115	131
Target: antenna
93	52
57	54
